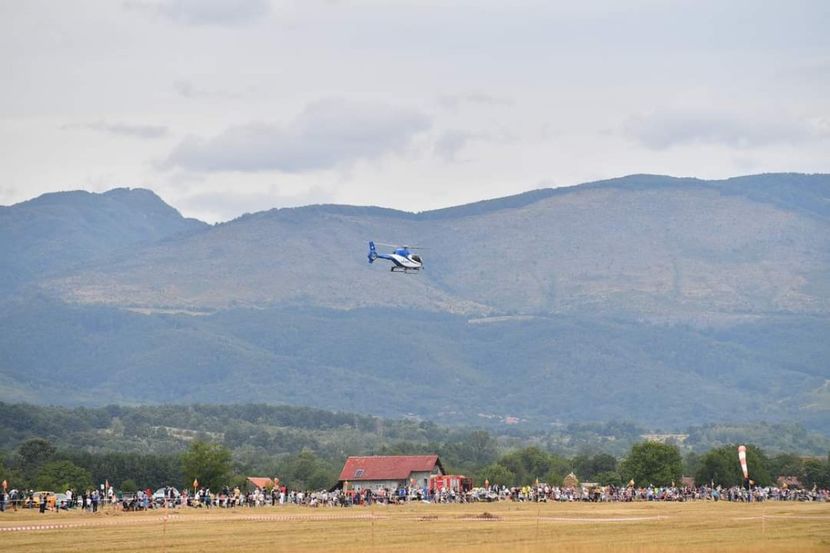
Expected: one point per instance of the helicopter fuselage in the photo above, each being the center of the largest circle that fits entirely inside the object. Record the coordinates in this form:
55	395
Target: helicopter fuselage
403	260
405	263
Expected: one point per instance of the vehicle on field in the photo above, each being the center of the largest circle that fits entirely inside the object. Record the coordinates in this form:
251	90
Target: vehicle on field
170	493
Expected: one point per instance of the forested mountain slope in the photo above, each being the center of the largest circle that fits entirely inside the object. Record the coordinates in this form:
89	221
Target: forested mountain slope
648	298
60	231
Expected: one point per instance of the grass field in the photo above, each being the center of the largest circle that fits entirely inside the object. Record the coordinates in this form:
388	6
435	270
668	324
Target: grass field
648	527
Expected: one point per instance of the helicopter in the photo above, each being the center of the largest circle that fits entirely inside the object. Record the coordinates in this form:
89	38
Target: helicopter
403	260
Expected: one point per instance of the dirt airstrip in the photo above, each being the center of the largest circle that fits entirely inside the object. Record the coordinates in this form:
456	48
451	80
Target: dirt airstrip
640	527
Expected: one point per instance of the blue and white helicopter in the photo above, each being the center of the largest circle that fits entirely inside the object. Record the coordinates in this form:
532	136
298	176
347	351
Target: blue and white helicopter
403	260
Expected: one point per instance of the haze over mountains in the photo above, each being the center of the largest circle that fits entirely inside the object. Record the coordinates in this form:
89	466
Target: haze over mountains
646	298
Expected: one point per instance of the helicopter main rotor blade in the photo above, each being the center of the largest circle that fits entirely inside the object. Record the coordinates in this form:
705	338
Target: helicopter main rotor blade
400	246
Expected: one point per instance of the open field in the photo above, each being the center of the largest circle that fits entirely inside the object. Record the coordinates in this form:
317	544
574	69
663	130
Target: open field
646	527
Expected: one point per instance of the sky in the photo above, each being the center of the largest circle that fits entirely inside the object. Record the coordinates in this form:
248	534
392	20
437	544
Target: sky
228	107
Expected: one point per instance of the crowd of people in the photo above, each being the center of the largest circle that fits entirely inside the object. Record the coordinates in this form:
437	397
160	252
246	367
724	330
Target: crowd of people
545	493
170	497
90	500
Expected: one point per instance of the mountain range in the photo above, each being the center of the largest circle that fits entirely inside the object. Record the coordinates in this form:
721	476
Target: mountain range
665	301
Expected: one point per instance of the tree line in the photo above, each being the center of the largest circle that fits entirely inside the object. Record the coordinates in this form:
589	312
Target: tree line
39	465
256	431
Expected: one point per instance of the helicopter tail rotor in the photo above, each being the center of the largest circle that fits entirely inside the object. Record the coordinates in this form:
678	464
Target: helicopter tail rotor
373	253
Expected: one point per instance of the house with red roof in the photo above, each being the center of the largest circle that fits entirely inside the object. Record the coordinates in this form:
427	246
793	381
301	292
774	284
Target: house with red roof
389	472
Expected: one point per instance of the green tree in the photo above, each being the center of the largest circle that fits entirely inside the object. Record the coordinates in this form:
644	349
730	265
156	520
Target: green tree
11	475
691	463
306	471
582	467
652	463
496	474
36	451
558	468
147	470
603	462
722	467
587	467
468	453
479	447
63	475
608	477
527	464
817	473
32	455
128	486
786	464
210	464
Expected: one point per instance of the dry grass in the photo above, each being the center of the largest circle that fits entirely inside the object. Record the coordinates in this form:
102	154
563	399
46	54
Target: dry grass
638	527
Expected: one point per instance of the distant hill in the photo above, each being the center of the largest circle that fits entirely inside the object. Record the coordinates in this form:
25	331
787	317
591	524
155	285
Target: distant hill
655	247
648	298
59	231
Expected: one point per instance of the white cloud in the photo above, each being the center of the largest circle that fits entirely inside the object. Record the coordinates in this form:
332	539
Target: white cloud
223	205
327	134
450	143
489	75
188	89
123	129
191	91
454	101
205	12
7	192
665	129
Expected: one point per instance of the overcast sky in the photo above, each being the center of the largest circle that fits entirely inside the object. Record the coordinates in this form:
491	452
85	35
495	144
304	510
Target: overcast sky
226	107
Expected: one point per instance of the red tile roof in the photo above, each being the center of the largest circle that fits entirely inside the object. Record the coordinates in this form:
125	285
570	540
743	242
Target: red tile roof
387	467
261	482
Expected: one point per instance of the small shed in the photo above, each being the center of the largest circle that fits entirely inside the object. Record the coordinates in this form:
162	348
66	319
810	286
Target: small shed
261	482
789	482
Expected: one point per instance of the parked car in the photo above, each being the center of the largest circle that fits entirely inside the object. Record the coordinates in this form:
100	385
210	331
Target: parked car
159	495
61	501
50	499
483	494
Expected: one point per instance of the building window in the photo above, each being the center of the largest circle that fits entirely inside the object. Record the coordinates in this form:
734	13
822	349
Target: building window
358	473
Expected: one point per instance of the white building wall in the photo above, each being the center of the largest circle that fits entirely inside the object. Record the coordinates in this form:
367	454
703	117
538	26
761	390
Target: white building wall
375	485
421	481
